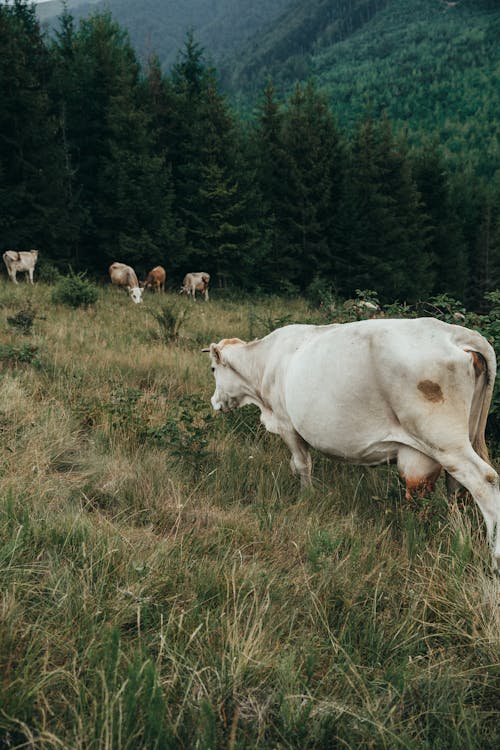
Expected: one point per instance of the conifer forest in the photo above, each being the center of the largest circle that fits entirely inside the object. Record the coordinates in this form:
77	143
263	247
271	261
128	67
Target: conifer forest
105	158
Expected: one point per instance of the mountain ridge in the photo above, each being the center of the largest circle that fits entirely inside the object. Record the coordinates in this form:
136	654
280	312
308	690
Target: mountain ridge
432	66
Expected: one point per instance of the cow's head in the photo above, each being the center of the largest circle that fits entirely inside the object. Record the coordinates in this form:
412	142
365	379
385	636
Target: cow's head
230	391
136	294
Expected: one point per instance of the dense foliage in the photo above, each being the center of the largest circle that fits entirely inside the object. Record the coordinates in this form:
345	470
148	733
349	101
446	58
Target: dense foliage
101	160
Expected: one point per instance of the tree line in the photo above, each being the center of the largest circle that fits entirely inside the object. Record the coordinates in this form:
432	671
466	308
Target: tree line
102	160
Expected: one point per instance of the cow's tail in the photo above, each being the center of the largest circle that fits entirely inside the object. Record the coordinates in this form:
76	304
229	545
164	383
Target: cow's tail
485	366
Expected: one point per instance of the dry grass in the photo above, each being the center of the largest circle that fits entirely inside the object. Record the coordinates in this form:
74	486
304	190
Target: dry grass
164	584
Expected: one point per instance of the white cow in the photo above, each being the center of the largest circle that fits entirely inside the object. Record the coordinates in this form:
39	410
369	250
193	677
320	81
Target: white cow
196	282
125	276
416	392
20	261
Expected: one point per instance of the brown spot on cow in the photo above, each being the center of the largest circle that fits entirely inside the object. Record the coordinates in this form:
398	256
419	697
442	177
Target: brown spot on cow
431	391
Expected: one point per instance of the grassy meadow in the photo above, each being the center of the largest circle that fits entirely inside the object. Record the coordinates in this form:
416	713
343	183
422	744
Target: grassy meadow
164	583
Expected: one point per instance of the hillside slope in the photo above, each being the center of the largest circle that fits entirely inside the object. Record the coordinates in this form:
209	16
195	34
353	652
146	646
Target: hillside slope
160	26
432	65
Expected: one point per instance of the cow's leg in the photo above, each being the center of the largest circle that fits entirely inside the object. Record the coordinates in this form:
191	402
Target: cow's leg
300	462
420	472
13	275
30	274
481	480
206	294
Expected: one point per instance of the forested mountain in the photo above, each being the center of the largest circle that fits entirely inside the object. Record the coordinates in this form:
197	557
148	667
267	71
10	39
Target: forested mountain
431	64
160	26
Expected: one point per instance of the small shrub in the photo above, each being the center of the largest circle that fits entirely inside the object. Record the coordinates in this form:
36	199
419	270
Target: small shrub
12	355
75	290
23	320
186	434
122	409
170	319
443	307
320	293
47	271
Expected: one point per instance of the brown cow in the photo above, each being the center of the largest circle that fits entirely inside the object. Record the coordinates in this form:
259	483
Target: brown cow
125	276
155	279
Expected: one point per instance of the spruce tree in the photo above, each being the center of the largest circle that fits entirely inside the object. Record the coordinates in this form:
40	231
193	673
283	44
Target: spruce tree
268	153
312	143
384	226
484	258
299	167
211	184
123	184
446	242
34	211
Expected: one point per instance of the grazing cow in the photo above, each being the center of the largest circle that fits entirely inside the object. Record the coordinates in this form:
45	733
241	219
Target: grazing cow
22	261
155	279
125	276
415	392
196	282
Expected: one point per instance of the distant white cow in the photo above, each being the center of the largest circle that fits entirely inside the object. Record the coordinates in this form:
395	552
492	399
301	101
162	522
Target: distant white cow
196	282
22	261
125	276
363	308
416	392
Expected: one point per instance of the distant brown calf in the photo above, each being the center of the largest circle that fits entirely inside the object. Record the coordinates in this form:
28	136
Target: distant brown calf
155	279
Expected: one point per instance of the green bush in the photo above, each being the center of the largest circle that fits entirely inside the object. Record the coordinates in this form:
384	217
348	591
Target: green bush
23	320
12	355
75	290
47	271
321	293
170	319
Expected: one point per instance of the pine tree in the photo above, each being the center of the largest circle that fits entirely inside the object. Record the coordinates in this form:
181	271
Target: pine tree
123	184
299	167
267	152
32	170
384	228
485	251
446	242
212	194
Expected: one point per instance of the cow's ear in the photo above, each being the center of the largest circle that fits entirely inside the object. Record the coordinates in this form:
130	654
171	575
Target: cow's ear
216	354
